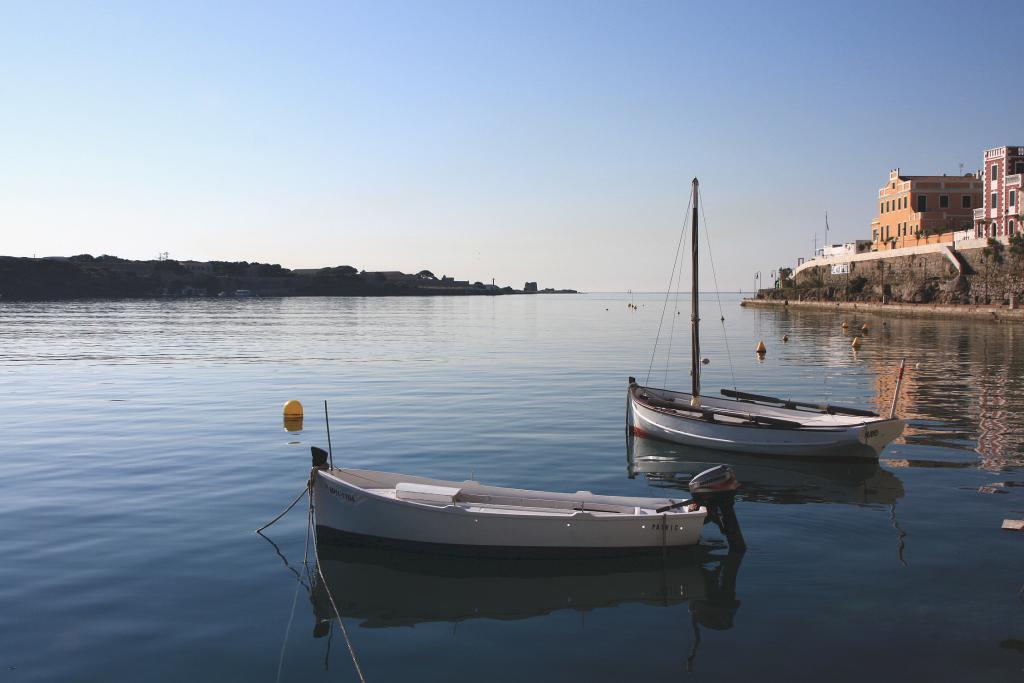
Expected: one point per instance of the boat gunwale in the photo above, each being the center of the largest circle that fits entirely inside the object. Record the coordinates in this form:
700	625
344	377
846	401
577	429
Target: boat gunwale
505	512
687	415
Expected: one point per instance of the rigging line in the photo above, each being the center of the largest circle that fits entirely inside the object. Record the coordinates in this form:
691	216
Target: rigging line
668	291
718	295
675	314
334	606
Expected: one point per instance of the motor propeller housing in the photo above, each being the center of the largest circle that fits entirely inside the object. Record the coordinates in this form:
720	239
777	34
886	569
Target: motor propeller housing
720	478
715	489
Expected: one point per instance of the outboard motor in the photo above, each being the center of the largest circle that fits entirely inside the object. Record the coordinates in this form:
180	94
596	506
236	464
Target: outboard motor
715	489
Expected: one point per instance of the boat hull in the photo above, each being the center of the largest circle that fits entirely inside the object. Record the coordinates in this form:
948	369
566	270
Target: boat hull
348	511
858	439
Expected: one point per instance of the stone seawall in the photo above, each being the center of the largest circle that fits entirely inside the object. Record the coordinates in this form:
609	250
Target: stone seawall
998	314
968	276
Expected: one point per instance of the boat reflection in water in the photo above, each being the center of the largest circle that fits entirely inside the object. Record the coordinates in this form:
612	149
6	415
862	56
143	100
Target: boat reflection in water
771	480
387	587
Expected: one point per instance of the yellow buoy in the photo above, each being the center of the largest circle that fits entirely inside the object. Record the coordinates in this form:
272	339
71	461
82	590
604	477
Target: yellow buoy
856	343
761	348
293	409
293	424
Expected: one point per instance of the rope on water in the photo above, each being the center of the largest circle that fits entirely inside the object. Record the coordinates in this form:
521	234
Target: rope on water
718	295
671	278
308	491
295	597
341	623
286	510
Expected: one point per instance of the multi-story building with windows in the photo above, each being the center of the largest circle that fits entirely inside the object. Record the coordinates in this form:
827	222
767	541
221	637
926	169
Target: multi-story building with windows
918	209
1000	215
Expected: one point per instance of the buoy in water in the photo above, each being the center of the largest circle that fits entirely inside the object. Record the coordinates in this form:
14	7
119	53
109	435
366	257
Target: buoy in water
856	343
705	360
785	337
846	325
293	416
864	327
761	348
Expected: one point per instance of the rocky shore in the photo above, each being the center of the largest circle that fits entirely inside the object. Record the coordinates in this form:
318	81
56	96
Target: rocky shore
988	276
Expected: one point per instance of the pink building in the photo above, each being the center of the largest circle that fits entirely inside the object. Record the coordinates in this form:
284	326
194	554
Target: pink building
1000	214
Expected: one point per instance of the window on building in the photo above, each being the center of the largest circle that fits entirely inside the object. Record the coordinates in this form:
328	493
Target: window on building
943	201
1009	229
1018	167
965	201
881	207
995	173
922	203
995	201
1012	199
874	235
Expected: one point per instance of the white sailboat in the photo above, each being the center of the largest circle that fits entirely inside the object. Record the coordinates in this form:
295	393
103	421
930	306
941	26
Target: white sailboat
752	423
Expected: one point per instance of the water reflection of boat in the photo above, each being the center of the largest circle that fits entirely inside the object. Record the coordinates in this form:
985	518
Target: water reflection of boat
386	587
773	480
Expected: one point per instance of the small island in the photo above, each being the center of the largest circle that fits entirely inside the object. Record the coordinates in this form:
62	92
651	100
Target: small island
86	277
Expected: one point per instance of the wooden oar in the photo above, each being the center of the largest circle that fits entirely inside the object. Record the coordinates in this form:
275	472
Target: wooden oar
823	408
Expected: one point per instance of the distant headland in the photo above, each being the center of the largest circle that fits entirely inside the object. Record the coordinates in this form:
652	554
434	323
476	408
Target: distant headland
87	277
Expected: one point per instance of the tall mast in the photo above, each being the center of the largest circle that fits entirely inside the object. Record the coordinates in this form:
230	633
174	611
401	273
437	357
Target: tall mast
694	312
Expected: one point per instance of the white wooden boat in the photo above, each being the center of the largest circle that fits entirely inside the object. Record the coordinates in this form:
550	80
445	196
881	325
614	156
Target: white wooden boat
750	423
400	509
756	428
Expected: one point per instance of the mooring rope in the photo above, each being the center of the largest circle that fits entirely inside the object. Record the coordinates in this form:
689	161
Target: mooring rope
668	292
286	511
323	581
718	295
334	606
295	597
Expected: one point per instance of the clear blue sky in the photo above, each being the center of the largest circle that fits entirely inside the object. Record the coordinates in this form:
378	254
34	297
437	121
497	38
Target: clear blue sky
539	141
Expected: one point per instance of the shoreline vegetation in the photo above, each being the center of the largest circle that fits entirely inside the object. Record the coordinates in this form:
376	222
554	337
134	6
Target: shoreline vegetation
91	277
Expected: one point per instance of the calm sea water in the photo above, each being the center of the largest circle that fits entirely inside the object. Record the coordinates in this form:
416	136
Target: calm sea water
143	444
